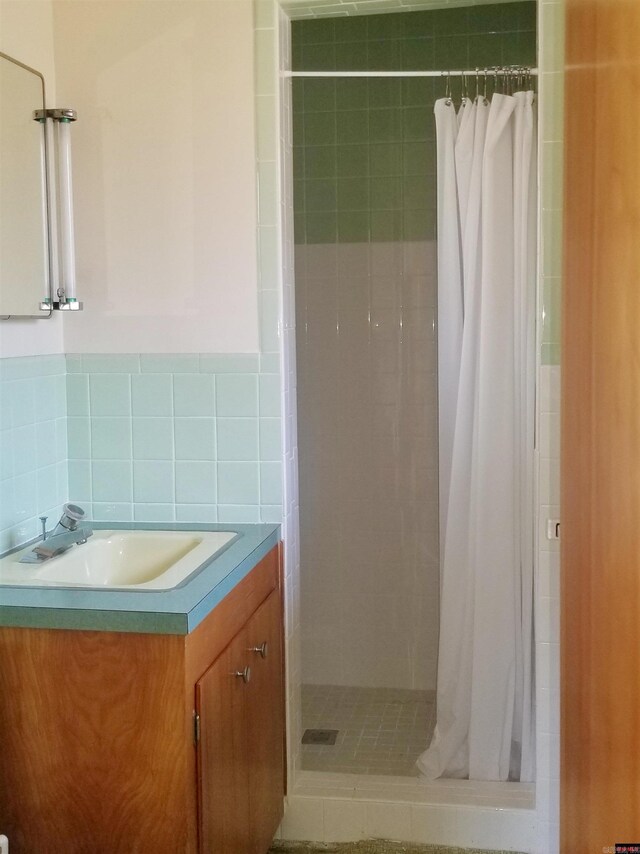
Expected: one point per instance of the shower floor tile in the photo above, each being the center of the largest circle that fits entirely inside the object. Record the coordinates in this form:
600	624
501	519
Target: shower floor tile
380	730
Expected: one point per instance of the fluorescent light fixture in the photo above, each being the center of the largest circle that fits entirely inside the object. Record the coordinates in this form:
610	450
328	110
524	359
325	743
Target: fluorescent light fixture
57	127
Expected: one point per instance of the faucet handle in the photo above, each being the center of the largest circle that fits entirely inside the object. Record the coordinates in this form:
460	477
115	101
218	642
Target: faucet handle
43	522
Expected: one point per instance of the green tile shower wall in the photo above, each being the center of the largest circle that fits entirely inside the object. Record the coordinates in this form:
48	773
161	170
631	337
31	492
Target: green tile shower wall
364	149
498	34
33	445
185	437
551	82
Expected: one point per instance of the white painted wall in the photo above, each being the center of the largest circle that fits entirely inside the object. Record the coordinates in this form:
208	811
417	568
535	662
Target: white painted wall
164	173
26	33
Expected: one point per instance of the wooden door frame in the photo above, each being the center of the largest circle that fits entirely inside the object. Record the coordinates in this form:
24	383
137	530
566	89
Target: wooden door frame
600	452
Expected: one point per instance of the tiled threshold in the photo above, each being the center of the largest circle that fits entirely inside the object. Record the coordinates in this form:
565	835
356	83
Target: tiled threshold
314	784
333	809
373	846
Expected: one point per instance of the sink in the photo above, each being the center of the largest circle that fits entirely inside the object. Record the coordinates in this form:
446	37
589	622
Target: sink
131	560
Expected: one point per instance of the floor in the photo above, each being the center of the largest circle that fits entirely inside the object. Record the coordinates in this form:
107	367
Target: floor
371	847
380	730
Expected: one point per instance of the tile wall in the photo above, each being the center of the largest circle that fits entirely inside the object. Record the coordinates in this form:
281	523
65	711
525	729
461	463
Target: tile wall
189	438
274	134
551	87
547	603
364	149
446	38
331	8
364	160
365	207
368	463
33	445
547	609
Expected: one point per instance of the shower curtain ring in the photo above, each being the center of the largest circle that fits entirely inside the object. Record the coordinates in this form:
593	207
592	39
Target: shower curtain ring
477	83
447	90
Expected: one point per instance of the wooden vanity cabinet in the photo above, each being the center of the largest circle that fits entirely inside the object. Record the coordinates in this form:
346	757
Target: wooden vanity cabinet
240	768
121	743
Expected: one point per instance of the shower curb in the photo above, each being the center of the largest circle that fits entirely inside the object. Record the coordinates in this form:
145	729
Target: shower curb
374	846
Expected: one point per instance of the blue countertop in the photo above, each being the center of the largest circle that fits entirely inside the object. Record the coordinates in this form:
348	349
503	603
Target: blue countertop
172	612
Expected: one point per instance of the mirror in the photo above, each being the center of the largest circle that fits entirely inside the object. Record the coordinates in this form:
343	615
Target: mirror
24	238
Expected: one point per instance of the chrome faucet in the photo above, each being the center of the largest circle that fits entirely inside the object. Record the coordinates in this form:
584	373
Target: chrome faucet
66	533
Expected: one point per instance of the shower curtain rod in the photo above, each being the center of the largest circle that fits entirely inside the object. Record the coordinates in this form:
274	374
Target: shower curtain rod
482	72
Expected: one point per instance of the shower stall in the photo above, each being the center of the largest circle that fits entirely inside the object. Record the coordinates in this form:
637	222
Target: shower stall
366	285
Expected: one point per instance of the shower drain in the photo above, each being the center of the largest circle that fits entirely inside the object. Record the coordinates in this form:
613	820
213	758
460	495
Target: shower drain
320	736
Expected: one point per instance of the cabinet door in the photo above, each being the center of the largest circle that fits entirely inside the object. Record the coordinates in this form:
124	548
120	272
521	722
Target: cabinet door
265	723
223	770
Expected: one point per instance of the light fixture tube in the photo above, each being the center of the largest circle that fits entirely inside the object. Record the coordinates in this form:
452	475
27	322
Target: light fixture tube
57	127
67	282
46	221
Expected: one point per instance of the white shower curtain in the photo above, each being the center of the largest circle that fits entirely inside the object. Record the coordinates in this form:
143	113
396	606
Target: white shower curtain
486	270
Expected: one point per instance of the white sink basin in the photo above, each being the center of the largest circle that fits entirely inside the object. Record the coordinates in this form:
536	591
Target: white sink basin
135	560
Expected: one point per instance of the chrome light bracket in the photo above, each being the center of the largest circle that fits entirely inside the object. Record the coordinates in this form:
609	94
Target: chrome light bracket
58	114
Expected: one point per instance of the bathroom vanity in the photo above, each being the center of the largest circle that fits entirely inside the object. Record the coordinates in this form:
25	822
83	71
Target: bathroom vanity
158	729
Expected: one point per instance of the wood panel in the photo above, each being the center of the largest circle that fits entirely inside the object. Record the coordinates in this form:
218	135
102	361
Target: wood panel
223	758
600	741
265	723
92	754
240	760
211	637
208	640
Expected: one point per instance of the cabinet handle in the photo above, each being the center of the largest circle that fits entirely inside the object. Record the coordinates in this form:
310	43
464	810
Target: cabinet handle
245	674
262	650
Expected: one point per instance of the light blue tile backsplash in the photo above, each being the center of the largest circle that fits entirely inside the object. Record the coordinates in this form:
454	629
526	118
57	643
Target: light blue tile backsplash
183	437
196	482
33	445
238	439
195	438
239	483
110	394
193	395
152	394
237	395
111	481
155	438
152	438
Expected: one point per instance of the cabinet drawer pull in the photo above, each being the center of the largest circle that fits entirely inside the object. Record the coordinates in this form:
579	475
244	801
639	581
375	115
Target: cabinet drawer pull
245	674
262	650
